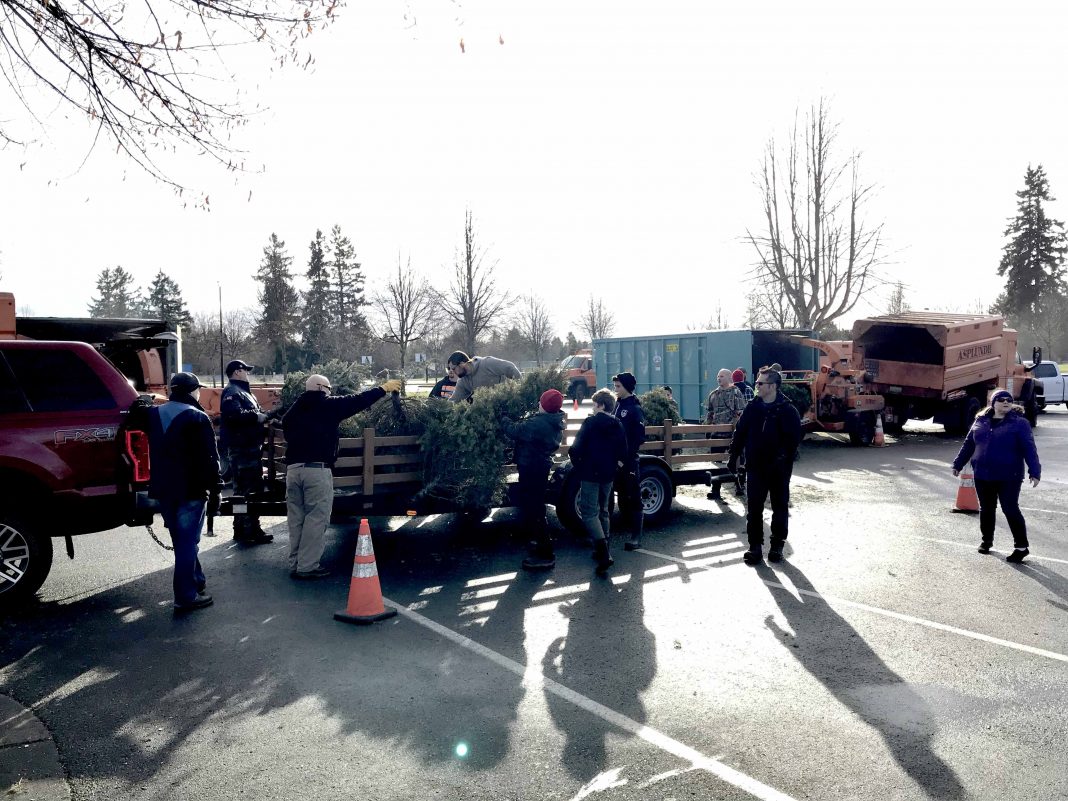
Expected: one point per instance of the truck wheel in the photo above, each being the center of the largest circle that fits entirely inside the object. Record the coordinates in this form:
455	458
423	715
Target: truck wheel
25	560
863	431
656	491
899	417
971	408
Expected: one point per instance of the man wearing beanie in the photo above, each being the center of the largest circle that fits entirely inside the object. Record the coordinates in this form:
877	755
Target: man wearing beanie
476	372
629	412
185	479
738	377
537	438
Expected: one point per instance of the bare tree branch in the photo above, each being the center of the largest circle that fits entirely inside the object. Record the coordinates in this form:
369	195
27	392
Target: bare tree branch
142	79
596	321
535	325
473	300
407	310
817	252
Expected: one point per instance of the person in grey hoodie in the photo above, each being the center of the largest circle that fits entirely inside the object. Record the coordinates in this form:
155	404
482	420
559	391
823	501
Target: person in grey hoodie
476	372
999	444
537	438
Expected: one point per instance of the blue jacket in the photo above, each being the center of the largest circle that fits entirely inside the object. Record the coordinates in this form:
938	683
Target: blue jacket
629	412
239	427
998	453
185	463
599	448
537	438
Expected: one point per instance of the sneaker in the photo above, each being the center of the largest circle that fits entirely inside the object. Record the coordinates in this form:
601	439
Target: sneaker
775	553
984	547
753	557
534	563
197	603
1017	555
310	575
632	545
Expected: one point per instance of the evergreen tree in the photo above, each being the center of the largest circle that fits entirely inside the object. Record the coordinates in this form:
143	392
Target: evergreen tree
316	322
1033	258
346	288
279	318
165	300
117	295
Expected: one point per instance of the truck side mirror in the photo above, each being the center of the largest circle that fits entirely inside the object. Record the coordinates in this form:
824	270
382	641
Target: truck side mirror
1036	355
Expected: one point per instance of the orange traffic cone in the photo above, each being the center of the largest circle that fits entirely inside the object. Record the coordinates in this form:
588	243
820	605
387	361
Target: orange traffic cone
879	440
967	498
365	591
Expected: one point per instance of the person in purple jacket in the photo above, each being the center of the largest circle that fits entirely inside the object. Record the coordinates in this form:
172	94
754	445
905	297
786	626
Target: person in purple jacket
998	444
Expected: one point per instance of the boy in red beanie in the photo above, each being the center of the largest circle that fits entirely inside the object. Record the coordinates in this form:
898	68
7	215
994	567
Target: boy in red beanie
537	438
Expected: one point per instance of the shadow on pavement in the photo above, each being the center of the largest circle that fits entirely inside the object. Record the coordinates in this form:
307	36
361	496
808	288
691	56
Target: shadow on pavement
832	651
609	656
1054	582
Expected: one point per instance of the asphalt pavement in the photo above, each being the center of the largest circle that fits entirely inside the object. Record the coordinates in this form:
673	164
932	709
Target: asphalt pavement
885	658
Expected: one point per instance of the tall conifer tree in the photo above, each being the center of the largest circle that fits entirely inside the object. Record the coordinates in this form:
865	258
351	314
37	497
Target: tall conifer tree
316	322
279	318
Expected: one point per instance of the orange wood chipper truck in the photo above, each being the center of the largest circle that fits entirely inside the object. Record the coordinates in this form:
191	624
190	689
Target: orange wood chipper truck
941	366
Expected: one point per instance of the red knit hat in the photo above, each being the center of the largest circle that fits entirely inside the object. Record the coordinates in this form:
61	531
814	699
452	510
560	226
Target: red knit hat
737	376
551	400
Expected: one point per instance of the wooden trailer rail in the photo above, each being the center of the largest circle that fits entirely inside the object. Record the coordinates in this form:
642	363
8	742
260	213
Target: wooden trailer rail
362	468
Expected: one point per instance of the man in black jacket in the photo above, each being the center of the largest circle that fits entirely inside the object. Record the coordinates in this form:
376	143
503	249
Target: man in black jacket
537	438
769	433
598	453
242	432
311	429
628	487
184	480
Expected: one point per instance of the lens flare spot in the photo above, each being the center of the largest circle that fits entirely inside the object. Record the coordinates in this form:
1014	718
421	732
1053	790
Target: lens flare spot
461	750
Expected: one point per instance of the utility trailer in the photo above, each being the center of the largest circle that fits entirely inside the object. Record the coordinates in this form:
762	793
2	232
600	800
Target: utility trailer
377	475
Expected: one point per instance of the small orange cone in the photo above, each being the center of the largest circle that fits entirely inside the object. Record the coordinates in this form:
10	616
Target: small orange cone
879	440
365	591
967	498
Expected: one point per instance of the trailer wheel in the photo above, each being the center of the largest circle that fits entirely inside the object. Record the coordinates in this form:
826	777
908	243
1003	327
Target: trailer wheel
863	431
25	559
567	507
656	492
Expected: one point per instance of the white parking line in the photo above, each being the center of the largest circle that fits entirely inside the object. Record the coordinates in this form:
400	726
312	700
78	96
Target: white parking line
533	679
972	545
931	624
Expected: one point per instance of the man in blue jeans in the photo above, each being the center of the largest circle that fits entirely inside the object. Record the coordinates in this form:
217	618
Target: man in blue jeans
185	479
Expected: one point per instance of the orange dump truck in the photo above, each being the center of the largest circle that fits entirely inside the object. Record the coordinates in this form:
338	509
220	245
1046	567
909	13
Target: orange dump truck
941	366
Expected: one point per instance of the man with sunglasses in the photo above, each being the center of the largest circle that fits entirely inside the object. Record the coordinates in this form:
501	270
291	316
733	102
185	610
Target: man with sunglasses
769	433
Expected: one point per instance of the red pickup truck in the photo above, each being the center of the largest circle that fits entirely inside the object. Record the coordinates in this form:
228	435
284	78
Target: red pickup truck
71	459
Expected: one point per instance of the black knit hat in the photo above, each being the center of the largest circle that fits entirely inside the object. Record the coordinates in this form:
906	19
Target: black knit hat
627	380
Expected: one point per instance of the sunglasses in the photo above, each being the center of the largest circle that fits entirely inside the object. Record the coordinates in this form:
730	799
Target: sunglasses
763	383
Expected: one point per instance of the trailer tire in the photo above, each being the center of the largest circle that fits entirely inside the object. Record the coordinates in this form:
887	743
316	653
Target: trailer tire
567	507
656	492
863	432
25	559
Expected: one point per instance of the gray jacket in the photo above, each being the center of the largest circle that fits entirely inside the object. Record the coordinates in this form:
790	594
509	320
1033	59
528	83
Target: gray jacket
483	371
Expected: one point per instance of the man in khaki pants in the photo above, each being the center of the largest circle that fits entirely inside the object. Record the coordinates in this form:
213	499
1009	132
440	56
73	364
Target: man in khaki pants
311	429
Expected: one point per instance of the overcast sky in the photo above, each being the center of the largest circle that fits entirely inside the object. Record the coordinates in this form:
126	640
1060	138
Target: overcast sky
604	147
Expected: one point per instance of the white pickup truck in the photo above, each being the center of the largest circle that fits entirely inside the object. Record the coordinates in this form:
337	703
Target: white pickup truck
1054	383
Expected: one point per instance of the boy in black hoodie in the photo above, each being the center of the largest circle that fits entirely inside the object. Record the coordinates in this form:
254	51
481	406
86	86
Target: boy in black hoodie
537	438
599	451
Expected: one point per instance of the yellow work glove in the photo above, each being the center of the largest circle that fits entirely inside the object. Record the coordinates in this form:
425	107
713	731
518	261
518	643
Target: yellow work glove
393	385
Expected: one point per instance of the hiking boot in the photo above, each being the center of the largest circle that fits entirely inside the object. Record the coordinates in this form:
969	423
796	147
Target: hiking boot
753	557
632	544
775	553
197	603
534	563
1017	555
604	558
254	539
984	547
310	575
